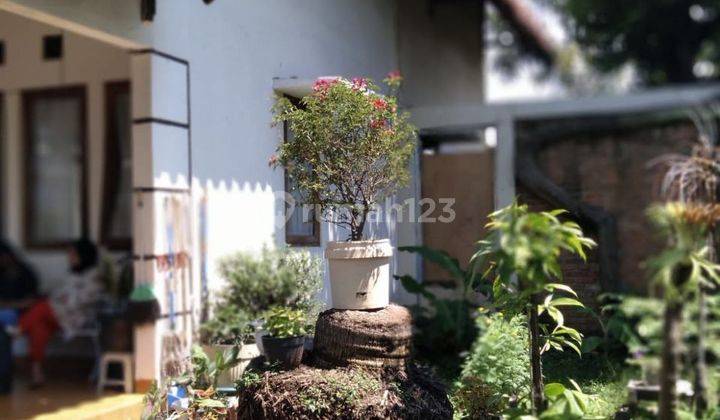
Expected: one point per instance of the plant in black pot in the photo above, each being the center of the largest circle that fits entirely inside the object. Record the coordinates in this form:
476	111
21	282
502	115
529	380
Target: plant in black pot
284	344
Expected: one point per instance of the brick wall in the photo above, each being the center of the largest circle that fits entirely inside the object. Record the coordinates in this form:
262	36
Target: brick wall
581	276
610	169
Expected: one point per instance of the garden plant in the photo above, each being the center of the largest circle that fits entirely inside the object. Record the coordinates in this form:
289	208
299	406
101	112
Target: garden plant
681	270
350	147
521	259
258	282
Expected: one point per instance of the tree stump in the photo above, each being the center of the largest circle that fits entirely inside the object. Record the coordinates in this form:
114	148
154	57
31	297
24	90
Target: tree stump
377	339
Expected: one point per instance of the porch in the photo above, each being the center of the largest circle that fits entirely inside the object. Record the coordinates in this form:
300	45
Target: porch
86	153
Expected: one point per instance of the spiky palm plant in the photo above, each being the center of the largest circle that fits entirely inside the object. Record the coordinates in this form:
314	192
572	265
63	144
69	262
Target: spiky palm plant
681	270
695	178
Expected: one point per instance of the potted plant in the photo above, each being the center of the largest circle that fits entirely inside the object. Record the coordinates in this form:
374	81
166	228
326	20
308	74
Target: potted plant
229	328
256	282
350	150
285	341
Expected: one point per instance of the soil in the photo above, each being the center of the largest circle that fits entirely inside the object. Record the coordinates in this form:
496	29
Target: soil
346	393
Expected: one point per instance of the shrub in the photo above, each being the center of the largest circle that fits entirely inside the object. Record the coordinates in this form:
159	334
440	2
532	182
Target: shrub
257	283
277	277
446	326
284	323
228	325
350	150
496	372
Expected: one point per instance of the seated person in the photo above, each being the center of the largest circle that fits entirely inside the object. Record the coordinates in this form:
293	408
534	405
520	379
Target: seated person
67	309
18	286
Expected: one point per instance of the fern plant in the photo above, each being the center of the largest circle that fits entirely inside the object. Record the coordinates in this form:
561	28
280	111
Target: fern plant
521	260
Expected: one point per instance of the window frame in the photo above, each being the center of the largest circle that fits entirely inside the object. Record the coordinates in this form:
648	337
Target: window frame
112	168
298	240
29	98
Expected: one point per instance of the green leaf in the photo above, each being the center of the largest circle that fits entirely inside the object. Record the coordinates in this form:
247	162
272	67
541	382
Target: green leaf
414	287
564	301
554	389
590	343
441	258
551	287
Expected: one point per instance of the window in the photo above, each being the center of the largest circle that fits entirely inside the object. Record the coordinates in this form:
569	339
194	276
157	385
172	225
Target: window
55	197
116	224
302	227
52	47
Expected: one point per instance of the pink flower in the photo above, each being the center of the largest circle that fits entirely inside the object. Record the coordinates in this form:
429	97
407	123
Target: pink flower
376	124
323	84
394	78
273	161
359	83
379	104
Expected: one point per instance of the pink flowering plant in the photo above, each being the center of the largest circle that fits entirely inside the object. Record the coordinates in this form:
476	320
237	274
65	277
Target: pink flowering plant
350	147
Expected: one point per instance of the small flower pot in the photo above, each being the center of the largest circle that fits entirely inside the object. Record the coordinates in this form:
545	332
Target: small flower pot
247	353
359	273
287	352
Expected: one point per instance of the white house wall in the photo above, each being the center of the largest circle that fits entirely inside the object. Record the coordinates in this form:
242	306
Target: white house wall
85	62
235	49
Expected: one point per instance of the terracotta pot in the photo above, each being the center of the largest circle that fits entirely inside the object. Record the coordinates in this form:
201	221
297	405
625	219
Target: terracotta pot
247	353
359	273
285	351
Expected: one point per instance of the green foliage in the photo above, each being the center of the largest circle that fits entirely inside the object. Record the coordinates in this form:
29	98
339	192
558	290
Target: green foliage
201	384
686	227
606	378
338	392
559	335
285	323
566	403
256	283
495	374
632	324
228	325
350	149
205	372
466	279
528	245
248	379
645	34
446	328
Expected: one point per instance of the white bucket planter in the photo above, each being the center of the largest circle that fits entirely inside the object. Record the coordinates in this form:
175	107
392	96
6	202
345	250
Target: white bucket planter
359	273
246	354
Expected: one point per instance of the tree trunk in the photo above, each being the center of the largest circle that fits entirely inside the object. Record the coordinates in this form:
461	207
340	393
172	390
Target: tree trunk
701	382
670	360
700	386
672	342
537	390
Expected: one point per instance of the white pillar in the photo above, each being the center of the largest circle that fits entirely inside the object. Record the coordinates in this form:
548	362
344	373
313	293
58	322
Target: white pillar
505	162
161	173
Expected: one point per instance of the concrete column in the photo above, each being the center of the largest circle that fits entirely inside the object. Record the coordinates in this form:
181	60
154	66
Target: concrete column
505	162
161	176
